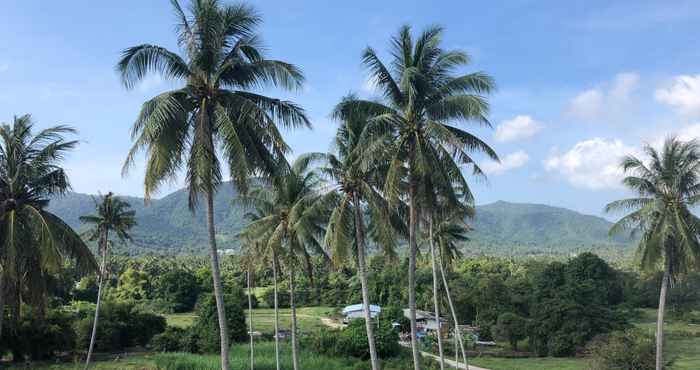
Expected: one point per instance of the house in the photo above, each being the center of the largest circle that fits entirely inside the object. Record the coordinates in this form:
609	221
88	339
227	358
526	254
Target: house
356	311
426	322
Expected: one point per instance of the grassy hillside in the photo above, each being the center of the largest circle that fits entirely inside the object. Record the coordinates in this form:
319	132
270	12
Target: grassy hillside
501	228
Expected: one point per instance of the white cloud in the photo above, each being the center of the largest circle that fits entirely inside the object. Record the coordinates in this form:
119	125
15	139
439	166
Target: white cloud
150	82
509	162
591	164
520	127
599	102
683	94
587	104
4	67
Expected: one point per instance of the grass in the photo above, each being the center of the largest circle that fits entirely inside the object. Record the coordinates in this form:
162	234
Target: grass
537	363
682	340
308	318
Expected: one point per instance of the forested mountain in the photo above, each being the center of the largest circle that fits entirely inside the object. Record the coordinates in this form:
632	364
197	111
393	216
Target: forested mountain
500	228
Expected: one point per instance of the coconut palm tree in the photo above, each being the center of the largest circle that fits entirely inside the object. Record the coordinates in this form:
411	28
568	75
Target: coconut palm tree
256	246
667	183
294	226
116	215
423	98
354	186
34	243
214	117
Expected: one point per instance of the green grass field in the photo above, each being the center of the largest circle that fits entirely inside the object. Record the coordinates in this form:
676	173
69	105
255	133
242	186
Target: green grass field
308	318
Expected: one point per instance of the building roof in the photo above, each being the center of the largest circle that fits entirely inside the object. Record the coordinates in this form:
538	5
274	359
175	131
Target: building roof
373	308
422	315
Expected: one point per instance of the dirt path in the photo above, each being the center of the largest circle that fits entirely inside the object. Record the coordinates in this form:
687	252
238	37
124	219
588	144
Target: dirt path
448	362
332	323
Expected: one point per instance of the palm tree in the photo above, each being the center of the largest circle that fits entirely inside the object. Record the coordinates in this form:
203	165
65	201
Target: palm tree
34	243
422	97
214	115
294	225
668	186
256	245
113	214
354	184
448	229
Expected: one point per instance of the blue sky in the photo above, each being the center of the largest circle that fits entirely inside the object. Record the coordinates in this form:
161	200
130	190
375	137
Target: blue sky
580	83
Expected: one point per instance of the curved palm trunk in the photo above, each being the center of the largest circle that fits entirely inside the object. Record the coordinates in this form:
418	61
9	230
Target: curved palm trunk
436	304
412	251
362	272
660	317
250	324
216	276
295	345
103	270
277	311
458	333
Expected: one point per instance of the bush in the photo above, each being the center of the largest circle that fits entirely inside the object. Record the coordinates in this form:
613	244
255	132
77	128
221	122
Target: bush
205	331
38	338
282	297
631	349
121	325
352	341
511	328
173	339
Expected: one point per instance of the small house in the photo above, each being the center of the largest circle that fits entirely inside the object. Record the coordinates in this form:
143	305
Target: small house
426	321
356	311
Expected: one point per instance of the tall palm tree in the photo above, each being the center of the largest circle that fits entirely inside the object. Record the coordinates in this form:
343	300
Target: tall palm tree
423	97
294	226
355	184
256	245
34	242
214	116
116	215
667	183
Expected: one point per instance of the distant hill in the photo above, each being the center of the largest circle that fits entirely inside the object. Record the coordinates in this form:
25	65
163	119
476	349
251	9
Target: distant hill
501	228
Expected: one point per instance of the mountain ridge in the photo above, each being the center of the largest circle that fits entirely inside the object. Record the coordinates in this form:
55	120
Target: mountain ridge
166	225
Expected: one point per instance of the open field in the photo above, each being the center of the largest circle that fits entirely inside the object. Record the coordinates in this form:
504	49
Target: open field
308	318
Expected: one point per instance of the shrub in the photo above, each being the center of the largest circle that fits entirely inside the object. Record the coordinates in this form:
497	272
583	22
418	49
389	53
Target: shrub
352	341
282	297
511	328
38	338
173	339
631	349
121	325
205	330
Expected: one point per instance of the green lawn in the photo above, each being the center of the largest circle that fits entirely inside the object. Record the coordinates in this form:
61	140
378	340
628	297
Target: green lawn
682	340
541	363
308	318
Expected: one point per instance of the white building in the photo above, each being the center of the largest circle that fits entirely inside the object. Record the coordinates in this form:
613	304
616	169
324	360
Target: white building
356	311
425	321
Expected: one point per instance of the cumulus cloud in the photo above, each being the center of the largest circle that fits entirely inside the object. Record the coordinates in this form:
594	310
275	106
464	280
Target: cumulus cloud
683	94
509	162
595	103
591	164
520	127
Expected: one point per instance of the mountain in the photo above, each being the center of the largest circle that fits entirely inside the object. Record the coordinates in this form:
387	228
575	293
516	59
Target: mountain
501	228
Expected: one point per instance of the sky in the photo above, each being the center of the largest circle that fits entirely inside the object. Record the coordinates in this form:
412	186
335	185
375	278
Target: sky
580	83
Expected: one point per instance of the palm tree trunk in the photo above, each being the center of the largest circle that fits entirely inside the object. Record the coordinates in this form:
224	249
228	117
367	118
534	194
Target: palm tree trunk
412	251
660	317
2	298
458	333
435	294
277	311
362	272
250	324
216	276
103	270
292	305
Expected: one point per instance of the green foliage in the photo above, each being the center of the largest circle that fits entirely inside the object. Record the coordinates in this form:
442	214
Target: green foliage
173	339
510	327
179	288
121	325
631	349
205	331
134	285
36	337
282	297
352	341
